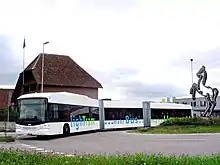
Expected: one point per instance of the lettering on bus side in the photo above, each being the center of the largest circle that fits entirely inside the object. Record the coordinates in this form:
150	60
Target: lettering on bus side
81	121
128	120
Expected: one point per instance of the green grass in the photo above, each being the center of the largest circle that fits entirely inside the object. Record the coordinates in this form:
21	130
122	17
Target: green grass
183	126
22	158
178	129
7	139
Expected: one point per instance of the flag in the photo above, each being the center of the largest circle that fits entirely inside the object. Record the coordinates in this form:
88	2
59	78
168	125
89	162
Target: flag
24	44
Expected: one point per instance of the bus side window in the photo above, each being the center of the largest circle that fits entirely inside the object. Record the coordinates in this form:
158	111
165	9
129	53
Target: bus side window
50	111
53	111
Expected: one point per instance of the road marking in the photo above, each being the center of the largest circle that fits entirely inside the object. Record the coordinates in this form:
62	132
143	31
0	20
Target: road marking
45	151
42	150
39	149
25	145
32	147
184	139
69	155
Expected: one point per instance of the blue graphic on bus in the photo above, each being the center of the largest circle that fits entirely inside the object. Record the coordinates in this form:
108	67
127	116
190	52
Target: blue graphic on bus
130	120
127	120
80	121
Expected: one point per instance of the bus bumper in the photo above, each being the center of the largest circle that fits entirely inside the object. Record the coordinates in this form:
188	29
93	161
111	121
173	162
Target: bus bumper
31	130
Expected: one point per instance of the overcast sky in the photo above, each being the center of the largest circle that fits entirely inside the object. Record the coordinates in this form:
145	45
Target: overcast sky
136	48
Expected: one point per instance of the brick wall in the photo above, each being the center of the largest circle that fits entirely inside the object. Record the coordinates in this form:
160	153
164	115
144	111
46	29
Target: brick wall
4	94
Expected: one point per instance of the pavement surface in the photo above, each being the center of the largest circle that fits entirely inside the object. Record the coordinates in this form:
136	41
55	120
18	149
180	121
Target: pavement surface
120	142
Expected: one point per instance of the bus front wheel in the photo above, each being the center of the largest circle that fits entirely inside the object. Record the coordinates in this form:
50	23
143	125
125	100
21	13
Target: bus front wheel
66	130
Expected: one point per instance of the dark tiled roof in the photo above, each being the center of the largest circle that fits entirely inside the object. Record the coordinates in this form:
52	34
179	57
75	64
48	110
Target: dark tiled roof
4	94
61	70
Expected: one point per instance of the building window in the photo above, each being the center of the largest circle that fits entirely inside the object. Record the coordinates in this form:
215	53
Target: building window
26	89
201	103
194	104
32	87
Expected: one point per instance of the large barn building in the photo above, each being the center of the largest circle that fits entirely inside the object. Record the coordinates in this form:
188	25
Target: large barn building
61	73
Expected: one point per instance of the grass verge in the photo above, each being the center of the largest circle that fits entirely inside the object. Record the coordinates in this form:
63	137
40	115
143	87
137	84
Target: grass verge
7	139
188	129
183	126
23	158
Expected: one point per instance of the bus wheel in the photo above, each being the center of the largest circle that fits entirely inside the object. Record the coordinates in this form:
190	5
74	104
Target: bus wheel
66	130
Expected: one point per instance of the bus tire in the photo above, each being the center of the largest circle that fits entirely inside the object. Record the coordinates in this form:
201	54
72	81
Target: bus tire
66	130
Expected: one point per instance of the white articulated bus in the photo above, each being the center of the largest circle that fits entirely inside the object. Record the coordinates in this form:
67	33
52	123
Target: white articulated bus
63	113
125	114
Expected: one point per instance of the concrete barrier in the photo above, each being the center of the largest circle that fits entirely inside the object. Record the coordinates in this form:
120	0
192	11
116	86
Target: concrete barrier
10	126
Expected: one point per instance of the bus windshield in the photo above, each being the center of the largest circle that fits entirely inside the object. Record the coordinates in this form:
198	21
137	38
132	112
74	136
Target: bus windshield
32	109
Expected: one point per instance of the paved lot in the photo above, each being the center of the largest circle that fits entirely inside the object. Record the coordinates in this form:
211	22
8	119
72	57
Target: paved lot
121	142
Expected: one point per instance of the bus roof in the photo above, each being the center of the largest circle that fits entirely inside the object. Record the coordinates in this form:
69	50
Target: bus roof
63	98
153	105
76	99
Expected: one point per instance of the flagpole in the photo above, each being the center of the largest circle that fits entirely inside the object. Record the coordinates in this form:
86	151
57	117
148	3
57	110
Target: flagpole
23	63
24	45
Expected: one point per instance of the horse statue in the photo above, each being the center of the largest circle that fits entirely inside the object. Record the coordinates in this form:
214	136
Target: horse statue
210	99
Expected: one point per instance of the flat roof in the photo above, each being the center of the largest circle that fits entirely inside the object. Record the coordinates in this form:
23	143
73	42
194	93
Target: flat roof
7	86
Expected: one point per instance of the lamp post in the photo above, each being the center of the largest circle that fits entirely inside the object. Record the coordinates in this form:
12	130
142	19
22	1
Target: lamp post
42	74
192	69
191	60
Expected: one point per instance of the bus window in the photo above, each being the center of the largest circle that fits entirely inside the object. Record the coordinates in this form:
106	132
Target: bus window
121	113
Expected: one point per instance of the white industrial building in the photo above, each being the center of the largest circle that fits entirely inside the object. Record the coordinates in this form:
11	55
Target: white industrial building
198	105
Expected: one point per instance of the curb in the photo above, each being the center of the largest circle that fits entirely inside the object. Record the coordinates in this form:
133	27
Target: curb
193	134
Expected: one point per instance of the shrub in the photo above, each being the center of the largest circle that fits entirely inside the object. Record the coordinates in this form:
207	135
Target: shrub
7	139
191	121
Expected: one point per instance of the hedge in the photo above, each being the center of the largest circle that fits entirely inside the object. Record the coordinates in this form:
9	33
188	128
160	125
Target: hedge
191	121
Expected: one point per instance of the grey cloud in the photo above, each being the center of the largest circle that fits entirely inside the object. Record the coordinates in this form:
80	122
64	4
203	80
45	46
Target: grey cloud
210	58
135	89
8	79
117	74
141	90
9	66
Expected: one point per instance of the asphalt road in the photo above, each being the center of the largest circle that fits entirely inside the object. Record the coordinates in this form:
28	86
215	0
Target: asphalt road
121	142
